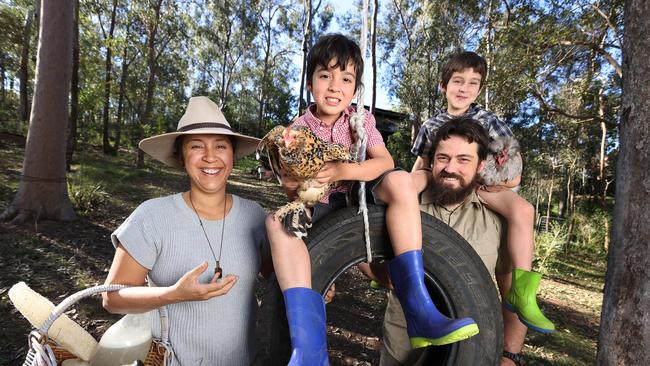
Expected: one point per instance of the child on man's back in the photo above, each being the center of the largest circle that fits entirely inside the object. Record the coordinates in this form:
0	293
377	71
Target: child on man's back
334	70
462	79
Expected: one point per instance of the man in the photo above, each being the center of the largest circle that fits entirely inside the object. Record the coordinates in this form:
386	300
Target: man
460	150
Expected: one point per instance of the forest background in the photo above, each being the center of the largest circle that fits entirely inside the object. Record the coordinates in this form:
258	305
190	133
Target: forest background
555	76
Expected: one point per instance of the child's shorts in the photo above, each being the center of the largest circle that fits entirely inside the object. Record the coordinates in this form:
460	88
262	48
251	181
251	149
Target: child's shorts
338	200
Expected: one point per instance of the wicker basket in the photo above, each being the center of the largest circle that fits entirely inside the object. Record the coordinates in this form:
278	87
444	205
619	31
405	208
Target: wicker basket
48	352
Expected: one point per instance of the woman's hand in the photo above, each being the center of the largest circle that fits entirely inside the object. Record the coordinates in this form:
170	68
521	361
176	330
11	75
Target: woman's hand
188	287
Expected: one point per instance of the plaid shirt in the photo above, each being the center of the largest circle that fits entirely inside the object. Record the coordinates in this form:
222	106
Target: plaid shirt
494	126
340	133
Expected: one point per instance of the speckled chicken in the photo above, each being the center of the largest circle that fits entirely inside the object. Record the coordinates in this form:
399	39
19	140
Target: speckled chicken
503	162
299	154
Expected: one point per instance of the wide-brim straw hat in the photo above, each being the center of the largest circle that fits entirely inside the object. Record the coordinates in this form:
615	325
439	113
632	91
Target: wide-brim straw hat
202	116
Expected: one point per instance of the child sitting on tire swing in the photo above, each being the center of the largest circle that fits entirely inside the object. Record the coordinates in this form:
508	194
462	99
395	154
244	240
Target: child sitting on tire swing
334	70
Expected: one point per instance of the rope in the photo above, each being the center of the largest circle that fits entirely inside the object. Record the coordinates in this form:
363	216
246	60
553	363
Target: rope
40	353
359	146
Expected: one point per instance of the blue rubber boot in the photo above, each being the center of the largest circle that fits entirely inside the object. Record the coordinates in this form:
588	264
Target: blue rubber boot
425	325
306	316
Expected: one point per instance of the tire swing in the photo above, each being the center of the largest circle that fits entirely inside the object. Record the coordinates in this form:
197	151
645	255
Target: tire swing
458	282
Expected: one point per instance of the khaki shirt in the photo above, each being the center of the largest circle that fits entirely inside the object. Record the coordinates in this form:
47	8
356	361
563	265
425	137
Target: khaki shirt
482	228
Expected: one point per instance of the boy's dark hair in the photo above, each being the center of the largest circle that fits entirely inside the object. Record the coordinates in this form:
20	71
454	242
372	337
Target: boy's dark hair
339	47
461	62
465	127
178	147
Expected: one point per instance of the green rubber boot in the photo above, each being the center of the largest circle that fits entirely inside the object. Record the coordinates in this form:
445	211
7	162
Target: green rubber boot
522	299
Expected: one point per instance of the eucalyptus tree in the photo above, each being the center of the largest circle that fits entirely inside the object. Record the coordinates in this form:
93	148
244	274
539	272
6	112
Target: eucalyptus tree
624	327
162	25
275	21
225	31
42	192
11	21
30	17
416	38
315	22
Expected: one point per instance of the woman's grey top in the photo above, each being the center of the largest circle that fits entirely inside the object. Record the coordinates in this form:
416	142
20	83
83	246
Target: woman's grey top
164	235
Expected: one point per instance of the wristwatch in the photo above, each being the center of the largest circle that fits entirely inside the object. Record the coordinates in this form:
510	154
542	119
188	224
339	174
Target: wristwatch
517	358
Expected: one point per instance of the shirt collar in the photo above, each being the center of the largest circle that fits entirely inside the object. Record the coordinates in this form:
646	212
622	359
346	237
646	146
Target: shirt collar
310	116
472	199
471	111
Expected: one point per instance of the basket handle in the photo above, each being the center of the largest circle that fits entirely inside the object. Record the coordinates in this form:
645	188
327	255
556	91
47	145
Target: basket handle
72	299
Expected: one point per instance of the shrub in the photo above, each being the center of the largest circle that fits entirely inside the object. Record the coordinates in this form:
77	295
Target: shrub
399	145
86	198
548	245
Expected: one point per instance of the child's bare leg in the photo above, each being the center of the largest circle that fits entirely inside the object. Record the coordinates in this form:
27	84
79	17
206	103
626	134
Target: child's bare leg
520	216
290	256
522	297
397	190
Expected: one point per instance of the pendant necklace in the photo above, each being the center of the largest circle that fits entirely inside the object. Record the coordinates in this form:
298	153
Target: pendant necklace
217	269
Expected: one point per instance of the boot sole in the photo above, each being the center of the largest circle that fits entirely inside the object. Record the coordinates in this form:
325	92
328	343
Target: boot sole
459	334
512	309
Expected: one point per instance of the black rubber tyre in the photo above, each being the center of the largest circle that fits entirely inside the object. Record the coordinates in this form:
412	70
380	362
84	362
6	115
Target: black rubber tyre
457	280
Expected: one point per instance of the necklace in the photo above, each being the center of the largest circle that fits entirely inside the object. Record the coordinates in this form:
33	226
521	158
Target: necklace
218	271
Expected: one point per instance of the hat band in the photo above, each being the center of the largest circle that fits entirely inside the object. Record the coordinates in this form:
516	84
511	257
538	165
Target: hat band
195	126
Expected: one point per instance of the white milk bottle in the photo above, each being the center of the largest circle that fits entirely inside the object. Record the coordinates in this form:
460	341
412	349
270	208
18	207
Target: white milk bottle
124	342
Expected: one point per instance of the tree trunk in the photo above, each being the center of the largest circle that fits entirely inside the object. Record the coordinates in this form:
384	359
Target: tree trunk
2	79
151	81
373	54
23	111
264	84
549	199
305	49
625	321
74	91
120	99
108	70
42	193
601	160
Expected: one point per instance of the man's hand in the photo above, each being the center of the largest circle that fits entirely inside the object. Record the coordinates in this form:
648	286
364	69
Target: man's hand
330	293
377	271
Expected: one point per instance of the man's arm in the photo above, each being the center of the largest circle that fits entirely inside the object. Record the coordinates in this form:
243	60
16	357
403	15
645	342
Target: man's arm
514	331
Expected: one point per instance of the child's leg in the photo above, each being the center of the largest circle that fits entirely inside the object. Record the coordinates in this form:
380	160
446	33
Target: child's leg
520	216
397	190
420	179
425	324
290	256
304	307
522	297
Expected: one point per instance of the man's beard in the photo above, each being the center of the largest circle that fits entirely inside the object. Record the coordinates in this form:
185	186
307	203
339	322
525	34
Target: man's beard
443	195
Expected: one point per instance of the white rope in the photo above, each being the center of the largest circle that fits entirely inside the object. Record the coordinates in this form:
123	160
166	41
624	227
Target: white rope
359	147
40	353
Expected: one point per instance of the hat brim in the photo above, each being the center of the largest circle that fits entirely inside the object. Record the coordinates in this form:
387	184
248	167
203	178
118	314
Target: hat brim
161	147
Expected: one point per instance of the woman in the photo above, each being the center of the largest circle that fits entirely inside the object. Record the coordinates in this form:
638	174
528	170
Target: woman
202	248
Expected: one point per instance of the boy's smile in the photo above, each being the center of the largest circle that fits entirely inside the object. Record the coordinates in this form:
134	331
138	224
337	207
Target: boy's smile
333	90
462	90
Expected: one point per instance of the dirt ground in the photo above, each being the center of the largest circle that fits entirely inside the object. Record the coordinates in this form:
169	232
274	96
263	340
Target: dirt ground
58	259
